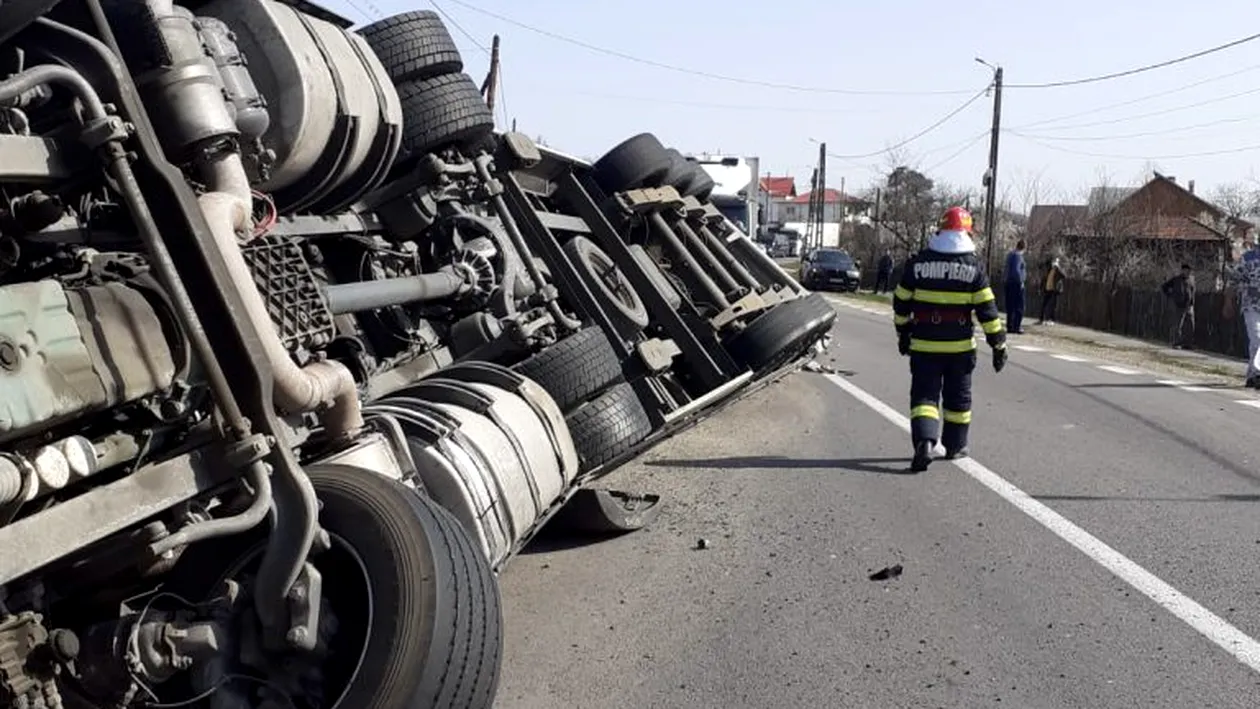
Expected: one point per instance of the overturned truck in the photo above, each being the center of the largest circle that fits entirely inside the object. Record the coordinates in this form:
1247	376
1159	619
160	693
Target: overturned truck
296	352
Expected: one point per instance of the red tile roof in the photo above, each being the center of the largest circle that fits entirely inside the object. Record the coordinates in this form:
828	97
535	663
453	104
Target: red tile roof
831	196
779	187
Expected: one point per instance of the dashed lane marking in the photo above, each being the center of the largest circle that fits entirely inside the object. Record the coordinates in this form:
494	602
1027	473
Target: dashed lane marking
1253	403
1241	646
1029	348
1118	370
1069	358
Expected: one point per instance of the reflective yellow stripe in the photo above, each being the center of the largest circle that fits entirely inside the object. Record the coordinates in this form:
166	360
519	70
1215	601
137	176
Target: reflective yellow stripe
983	295
941	297
924	411
957	416
901	319
901	293
943	346
991	327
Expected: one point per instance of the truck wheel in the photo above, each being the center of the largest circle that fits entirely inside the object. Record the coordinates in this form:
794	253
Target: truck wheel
781	334
413	46
444	111
416	611
624	306
640	161
575	368
701	185
608	426
680	172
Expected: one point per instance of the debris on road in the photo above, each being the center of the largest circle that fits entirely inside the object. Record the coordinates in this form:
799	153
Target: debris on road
888	572
702	543
818	368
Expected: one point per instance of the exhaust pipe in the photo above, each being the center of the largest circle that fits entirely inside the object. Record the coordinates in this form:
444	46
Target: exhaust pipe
195	121
326	386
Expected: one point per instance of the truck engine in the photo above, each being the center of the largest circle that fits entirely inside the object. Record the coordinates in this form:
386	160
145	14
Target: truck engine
341	243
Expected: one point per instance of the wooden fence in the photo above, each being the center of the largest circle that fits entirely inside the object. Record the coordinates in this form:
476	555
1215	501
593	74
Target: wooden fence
1142	314
1130	312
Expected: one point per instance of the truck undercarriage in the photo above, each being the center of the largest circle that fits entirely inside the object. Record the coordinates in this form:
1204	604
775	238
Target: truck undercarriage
296	352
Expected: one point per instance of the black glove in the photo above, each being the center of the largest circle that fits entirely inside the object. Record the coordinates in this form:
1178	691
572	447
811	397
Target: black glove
903	343
999	359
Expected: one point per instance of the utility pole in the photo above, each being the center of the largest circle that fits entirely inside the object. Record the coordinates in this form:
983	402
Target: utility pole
492	79
809	219
822	191
990	199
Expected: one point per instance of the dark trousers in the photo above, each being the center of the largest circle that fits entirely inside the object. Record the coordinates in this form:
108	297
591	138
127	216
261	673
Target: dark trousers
881	282
1014	306
1183	333
1049	303
940	389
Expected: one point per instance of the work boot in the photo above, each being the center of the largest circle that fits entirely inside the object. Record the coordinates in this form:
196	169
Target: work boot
922	456
956	453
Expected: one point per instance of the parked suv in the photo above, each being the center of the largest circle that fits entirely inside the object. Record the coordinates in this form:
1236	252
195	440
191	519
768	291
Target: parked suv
827	269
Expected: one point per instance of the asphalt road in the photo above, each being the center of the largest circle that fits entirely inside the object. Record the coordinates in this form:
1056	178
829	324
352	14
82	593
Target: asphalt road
1142	591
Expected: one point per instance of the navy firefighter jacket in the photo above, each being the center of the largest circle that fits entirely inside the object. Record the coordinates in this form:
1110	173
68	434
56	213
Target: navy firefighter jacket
936	298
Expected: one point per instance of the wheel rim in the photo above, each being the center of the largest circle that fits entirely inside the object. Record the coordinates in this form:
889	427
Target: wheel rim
613	281
342	666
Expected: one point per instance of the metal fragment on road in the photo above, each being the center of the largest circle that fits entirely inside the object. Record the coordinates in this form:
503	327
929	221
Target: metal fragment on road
888	572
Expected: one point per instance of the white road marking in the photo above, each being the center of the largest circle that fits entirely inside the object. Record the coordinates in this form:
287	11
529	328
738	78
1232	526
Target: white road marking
1171	382
1029	348
1069	358
1241	646
1254	403
1118	370
1195	390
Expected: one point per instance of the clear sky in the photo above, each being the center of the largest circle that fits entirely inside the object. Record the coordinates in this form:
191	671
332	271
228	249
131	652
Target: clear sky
583	101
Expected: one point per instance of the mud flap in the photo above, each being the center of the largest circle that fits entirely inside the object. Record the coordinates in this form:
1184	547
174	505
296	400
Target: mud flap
599	511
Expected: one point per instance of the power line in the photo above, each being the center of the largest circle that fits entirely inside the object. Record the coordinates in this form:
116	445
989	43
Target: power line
1149	114
769	107
1127	136
1138	70
921	133
953	156
851	92
1209	153
697	72
1140	99
447	16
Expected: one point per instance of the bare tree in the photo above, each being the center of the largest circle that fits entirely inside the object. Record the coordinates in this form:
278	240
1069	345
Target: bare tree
1238	200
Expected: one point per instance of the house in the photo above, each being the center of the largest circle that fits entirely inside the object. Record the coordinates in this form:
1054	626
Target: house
840	212
1138	235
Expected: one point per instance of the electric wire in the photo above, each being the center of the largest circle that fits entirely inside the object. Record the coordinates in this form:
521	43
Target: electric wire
1138	70
954	156
852	92
1139	99
1208	153
467	35
1150	114
697	72
942	121
1144	134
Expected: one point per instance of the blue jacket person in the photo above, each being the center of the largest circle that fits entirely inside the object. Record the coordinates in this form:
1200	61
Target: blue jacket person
941	288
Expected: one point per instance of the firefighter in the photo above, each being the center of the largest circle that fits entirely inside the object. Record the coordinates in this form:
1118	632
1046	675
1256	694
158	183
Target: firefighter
940	289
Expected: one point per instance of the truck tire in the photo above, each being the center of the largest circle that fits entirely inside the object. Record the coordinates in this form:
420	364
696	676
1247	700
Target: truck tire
575	368
435	636
680	172
781	334
623	304
608	426
639	161
701	185
413	46
444	111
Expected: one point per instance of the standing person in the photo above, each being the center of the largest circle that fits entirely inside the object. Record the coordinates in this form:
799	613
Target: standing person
1016	276
1244	295
1180	288
1051	289
883	273
941	288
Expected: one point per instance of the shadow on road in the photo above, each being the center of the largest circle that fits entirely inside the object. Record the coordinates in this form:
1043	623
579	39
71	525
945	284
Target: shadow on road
1153	385
879	466
1122	498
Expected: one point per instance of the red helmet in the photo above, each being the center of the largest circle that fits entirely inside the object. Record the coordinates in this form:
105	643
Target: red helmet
955	219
